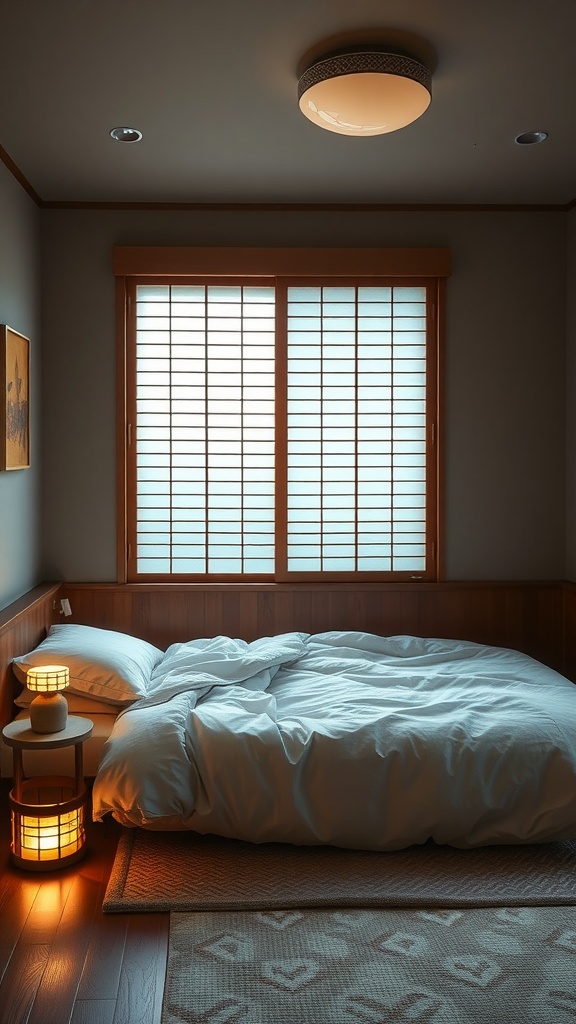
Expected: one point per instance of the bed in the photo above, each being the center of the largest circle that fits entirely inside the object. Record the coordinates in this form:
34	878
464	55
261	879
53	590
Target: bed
342	738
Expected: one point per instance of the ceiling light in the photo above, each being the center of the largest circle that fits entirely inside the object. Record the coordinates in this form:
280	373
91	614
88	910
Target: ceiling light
126	134
531	138
365	92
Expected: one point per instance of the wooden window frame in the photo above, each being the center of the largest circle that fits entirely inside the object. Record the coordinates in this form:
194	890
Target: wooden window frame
169	263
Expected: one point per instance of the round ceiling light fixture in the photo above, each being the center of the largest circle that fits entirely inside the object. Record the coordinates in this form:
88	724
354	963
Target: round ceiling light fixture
126	134
365	92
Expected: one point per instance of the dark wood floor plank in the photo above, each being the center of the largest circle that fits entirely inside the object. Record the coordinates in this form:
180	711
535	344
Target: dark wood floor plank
143	970
100	977
9	883
103	964
94	1011
21	981
15	910
46	911
56	995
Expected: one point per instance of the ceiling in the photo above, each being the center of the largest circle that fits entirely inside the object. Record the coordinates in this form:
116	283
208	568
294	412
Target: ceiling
212	85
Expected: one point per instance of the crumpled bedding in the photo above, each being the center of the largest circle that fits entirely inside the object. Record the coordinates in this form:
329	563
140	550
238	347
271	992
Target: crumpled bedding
348	739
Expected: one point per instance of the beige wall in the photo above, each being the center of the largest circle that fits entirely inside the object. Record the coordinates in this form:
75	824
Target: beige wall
19	308
505	373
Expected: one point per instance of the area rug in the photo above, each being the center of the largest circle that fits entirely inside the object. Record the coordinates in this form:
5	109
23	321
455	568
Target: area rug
182	871
446	966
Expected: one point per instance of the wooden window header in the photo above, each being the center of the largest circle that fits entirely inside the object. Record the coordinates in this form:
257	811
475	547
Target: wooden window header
170	261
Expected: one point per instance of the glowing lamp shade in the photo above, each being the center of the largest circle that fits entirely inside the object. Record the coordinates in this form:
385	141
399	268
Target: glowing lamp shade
48	827
365	93
49	709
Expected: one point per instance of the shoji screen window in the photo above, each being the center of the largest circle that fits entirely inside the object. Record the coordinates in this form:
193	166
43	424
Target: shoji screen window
357	430
280	427
204	431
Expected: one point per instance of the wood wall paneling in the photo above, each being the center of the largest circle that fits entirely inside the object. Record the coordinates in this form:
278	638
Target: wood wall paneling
526	616
23	625
537	618
569	629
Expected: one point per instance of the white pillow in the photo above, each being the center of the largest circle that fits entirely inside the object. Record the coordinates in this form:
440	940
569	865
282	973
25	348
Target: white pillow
107	666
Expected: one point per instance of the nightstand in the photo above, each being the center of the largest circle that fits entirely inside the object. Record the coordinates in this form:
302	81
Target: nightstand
48	812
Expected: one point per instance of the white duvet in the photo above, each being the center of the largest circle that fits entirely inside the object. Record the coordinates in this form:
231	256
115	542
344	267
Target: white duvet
348	739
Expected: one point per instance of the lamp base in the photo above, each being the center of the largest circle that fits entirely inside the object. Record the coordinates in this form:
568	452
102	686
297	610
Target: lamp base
48	712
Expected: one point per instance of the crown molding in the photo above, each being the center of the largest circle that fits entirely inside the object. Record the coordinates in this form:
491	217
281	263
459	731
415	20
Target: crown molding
314	207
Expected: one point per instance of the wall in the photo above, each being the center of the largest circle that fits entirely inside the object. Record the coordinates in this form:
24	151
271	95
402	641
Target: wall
20	309
570	397
505	366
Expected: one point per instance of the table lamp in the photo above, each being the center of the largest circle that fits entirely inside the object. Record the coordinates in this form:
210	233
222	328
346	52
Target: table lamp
49	709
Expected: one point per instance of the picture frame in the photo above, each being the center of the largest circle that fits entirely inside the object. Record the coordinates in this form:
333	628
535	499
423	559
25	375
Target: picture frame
14	399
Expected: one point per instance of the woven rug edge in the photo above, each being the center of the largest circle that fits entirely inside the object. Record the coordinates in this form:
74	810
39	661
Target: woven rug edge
377	903
116	899
113	897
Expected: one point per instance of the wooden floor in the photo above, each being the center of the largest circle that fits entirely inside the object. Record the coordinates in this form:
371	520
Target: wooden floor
62	961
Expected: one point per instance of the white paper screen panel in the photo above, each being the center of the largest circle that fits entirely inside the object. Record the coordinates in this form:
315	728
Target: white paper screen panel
205	429
356	429
206	493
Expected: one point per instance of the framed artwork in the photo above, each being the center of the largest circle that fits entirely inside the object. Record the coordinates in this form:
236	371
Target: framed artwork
14	399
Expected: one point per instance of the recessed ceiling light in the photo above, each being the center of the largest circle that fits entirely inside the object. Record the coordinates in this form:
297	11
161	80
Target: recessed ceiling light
531	138
126	134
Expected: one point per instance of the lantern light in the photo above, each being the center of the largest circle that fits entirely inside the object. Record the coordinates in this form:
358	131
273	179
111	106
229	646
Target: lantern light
48	826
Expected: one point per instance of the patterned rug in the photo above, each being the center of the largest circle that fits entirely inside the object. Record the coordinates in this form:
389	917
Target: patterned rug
182	871
483	966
